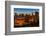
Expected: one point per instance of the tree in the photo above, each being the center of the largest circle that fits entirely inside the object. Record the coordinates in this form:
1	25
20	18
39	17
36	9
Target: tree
15	14
22	15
